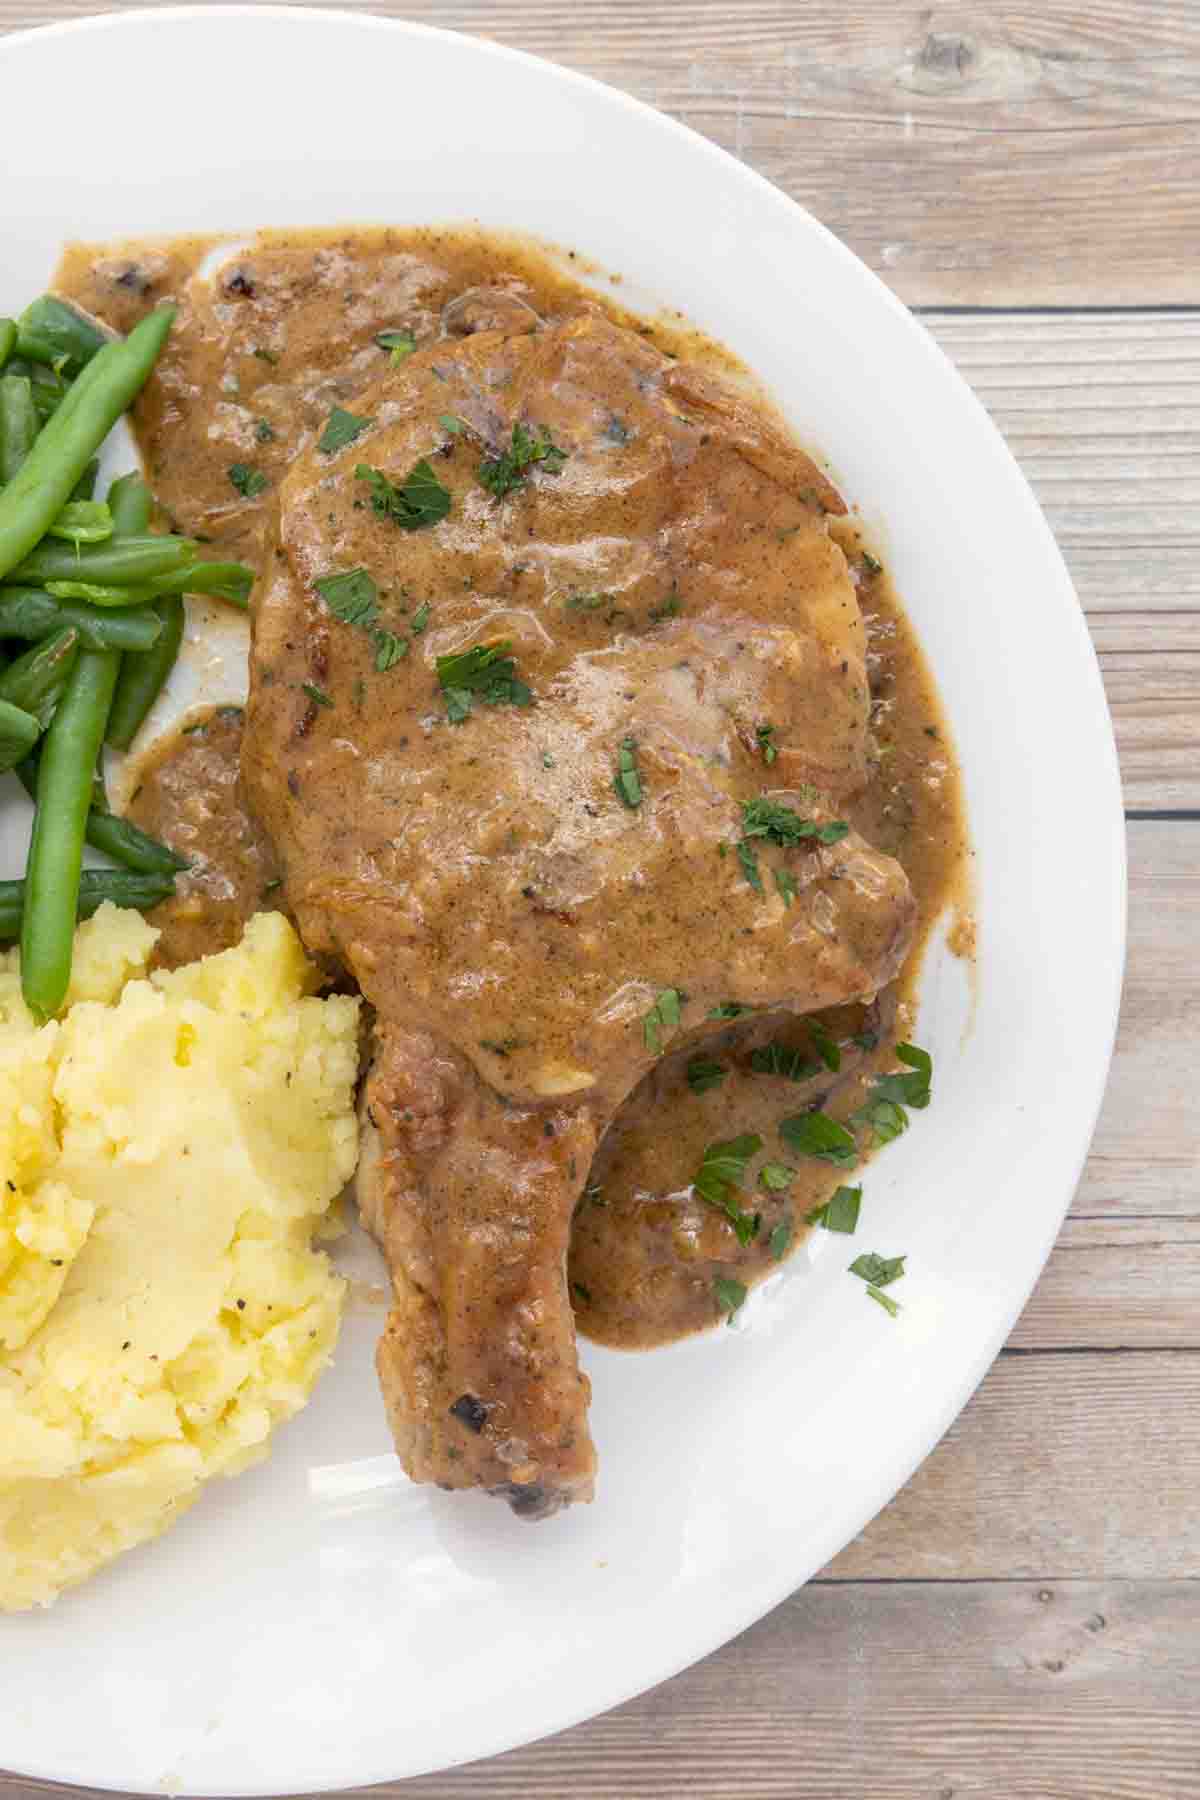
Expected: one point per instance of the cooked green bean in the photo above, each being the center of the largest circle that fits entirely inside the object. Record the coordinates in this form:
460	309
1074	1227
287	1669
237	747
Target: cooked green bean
31	614
119	838
35	682
142	676
121	562
64	797
85	487
68	441
50	331
124	887
131	504
223	581
18	424
8	339
49	389
19	732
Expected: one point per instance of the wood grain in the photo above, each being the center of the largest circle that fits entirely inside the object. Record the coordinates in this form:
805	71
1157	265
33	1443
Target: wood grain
1064	1464
993	153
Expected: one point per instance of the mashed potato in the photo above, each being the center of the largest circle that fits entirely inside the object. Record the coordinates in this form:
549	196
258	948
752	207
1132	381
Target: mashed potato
166	1150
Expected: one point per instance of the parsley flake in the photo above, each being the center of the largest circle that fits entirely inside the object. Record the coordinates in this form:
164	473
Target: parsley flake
729	1009
840	1211
420	619
816	1134
505	473
388	648
780	1240
703	1075
264	431
400	344
778	1058
452	423
247	480
420	499
353	597
664	1015
775	1177
730	1295
766	742
316	693
485	672
627	782
880	1271
341	428
785	881
824	1045
884	1114
889	1305
722	1170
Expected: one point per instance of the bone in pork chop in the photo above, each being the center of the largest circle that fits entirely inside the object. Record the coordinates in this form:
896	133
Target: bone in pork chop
511	909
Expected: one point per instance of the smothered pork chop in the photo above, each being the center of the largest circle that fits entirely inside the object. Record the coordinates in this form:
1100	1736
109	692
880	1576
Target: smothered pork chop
520	647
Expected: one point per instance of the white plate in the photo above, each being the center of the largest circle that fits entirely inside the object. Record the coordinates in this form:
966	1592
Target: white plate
320	1622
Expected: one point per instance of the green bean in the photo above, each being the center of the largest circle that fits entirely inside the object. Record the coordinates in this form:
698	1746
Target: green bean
31	614
35	682
64	446
82	522
18	424
142	676
124	887
85	487
8	339
50	331
49	389
131	504
121	562
19	732
119	838
223	581
64	797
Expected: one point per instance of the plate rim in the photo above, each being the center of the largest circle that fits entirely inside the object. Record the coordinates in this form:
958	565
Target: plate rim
764	1598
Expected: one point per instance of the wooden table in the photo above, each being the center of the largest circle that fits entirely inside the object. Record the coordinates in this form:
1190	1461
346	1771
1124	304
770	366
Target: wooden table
1024	1619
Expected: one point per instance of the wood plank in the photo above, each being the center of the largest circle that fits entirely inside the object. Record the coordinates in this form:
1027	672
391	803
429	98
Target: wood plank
1145	1158
981	153
1068	1464
1117	1284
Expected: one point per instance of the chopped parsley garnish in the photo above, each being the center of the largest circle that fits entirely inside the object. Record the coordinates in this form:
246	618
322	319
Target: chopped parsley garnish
452	423
781	825
341	428
884	1114
587	602
248	480
616	431
840	1211
871	564
724	1168
419	500
354	598
816	1134
786	883
627	782
670	608
664	1015
824	1045
388	648
775	1177
730	1295
486	672
879	1272
783	1059
703	1075
399	343
505	473
766	742
780	1240
267	356
264	431
581	1292
420	619
866	1040
316	693
729	1009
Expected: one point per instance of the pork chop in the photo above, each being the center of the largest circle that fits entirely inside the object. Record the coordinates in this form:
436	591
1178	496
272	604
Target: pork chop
537	860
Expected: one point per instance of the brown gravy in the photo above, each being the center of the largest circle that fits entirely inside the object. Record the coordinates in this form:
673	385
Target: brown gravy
259	357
